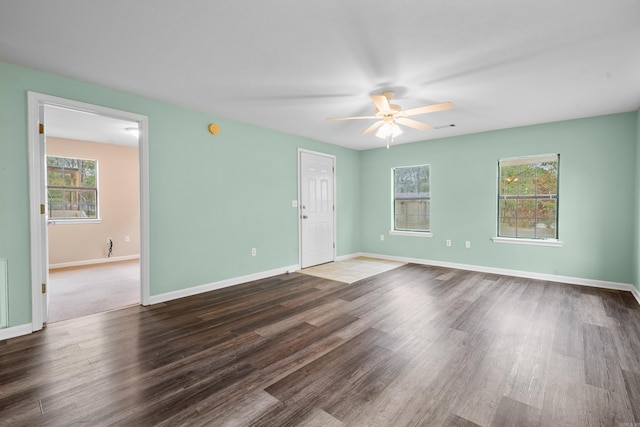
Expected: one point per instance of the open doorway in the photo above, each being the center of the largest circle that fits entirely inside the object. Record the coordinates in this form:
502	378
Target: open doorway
124	245
93	211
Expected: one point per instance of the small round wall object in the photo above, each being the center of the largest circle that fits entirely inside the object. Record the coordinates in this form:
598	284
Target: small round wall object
214	129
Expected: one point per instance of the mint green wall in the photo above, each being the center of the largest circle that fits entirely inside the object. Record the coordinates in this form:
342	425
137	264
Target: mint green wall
211	198
597	187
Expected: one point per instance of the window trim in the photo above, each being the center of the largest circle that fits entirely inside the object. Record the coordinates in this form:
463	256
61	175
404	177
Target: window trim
409	233
527	241
59	221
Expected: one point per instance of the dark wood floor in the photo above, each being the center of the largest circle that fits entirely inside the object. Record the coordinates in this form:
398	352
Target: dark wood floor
416	345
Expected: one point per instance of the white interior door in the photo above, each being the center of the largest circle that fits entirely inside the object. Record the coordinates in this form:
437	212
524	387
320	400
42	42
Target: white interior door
317	208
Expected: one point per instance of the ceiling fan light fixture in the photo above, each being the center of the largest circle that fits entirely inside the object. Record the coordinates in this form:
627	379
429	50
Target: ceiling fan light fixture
389	130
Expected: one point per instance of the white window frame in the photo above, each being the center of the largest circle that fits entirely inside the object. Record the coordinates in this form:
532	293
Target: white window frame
550	242
411	233
76	220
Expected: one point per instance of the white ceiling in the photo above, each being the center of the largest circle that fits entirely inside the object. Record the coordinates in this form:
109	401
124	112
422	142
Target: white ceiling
290	64
83	126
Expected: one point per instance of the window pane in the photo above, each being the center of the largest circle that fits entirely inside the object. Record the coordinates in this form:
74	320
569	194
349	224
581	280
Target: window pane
508	208
88	174
411	215
56	202
87	203
507	227
411	182
525	228
548	178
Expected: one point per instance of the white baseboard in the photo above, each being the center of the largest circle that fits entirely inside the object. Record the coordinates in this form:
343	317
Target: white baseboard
517	273
93	261
155	299
349	256
15	331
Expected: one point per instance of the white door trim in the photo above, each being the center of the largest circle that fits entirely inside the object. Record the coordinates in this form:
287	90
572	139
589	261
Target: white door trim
335	223
36	179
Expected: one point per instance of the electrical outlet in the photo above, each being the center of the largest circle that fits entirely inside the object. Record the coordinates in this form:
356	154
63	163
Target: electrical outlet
294	203
253	252
382	237
109	240
467	244
448	243
127	238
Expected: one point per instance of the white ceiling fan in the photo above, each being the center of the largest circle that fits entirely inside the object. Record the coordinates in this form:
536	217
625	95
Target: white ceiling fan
391	115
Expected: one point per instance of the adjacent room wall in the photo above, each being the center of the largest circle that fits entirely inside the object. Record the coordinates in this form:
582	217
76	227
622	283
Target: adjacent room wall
118	205
596	198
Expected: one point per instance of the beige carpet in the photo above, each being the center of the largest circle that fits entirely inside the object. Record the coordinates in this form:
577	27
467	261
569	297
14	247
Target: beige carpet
80	291
351	270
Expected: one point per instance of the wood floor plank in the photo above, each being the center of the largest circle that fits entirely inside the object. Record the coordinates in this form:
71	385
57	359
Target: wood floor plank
513	413
457	421
632	383
568	337
606	408
416	345
602	364
562	404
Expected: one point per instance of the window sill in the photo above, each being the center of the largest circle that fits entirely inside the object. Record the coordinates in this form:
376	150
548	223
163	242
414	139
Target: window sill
75	221
411	233
530	242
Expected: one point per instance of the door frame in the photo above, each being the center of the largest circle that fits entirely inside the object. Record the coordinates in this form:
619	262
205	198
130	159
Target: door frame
335	203
39	262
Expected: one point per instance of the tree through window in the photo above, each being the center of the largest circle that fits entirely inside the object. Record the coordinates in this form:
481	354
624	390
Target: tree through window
528	197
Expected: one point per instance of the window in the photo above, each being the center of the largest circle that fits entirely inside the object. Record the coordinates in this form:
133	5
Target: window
72	191
412	198
528	197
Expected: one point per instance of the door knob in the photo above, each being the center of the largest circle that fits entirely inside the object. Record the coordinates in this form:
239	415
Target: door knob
304	217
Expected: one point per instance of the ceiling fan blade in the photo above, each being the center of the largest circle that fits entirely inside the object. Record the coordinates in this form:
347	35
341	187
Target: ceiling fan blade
413	123
352	118
381	101
428	109
373	127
